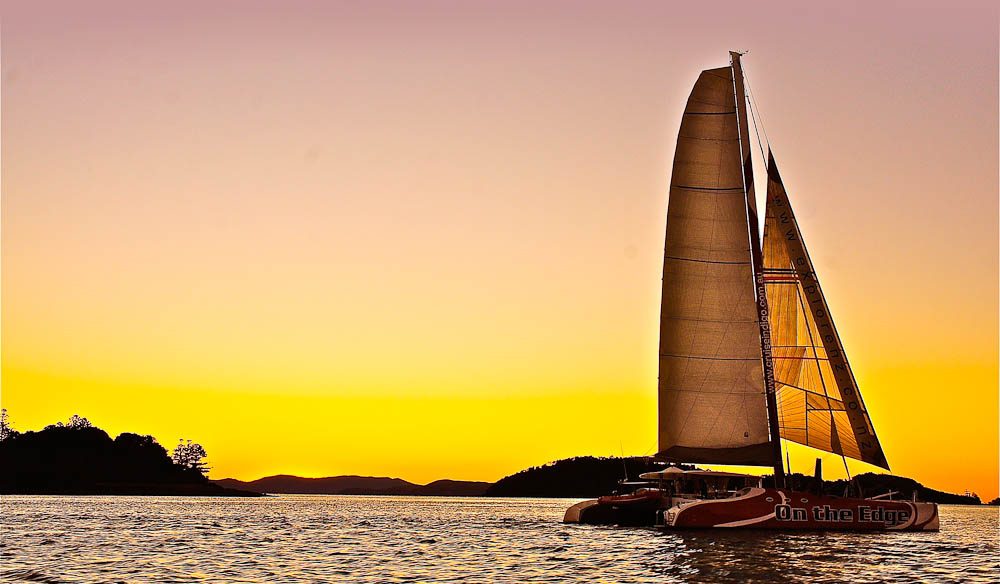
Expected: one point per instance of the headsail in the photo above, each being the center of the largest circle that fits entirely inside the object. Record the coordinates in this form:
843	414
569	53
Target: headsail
818	399
711	382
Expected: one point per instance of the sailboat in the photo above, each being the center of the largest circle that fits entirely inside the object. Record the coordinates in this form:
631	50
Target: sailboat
749	353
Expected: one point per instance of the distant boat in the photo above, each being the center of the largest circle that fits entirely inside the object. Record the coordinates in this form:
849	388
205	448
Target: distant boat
749	353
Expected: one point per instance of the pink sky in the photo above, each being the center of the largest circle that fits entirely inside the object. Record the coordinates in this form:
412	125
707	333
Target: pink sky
467	199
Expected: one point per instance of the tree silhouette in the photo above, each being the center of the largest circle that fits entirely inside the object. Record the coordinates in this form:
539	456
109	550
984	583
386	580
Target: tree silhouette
190	455
77	458
6	430
75	422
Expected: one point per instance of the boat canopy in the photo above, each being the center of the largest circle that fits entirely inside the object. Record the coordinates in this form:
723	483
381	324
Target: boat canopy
673	473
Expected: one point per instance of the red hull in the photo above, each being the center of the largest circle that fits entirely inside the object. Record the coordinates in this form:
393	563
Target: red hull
785	510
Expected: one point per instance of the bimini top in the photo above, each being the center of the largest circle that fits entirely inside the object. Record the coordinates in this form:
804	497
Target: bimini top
673	472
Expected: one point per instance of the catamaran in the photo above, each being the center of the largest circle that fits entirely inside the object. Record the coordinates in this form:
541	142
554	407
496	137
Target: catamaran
749	353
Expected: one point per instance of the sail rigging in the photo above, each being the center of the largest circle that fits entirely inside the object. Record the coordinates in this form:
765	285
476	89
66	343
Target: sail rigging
748	350
711	377
818	398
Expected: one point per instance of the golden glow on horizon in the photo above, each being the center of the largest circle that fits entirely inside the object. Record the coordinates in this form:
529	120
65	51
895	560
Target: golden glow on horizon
428	245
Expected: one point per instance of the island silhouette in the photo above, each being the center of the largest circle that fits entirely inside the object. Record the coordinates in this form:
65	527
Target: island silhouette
578	477
589	476
77	458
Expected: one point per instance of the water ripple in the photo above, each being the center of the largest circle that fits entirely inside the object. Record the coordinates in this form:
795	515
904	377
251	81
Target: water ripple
309	538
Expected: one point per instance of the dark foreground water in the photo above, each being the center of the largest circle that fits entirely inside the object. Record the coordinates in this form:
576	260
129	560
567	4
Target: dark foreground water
403	539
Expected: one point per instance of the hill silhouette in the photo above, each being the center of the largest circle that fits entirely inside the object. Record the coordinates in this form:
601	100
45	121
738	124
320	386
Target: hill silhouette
583	476
589	476
356	485
876	484
67	460
79	459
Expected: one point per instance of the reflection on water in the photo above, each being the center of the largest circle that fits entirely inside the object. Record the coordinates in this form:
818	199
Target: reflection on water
401	539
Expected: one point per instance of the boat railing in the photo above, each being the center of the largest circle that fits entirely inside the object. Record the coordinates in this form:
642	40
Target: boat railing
707	495
884	495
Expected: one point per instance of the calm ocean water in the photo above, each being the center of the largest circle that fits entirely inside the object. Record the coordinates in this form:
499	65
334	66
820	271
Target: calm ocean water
406	539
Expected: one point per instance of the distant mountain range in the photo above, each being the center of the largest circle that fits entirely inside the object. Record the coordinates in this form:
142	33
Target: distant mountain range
584	476
356	485
79	459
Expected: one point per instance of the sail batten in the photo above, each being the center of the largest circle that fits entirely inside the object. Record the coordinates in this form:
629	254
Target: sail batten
711	390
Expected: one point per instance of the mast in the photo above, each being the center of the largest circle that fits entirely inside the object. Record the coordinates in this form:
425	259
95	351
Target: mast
760	293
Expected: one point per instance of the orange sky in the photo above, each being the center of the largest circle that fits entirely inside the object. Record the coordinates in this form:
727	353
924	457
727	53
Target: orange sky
425	239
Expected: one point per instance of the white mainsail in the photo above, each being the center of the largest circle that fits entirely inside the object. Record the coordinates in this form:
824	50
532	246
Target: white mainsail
711	378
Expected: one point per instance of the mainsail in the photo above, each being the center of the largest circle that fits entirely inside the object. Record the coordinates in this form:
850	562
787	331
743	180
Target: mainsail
711	378
818	399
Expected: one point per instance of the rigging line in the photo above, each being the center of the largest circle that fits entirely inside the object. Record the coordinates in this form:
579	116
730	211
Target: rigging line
755	107
819	370
755	124
833	422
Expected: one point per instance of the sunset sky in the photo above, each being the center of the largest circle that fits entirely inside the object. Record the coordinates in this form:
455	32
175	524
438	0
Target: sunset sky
424	239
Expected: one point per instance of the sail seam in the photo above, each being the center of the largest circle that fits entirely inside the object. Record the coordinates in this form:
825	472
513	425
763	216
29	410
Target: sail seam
691	188
709	113
706	261
720	321
804	390
712	73
705	102
707	139
702	391
709	358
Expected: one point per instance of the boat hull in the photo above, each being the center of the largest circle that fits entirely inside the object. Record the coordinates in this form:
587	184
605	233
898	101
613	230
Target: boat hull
797	510
628	510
